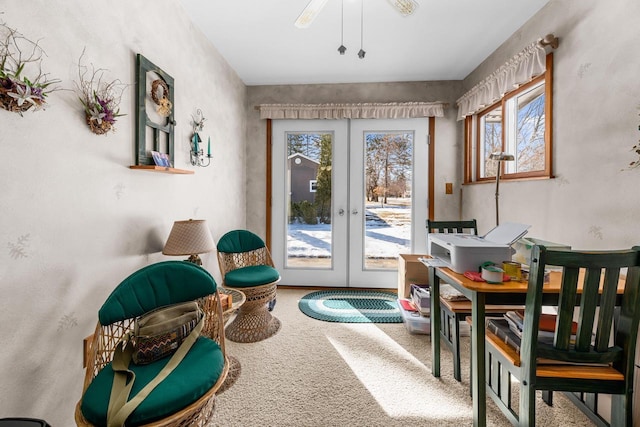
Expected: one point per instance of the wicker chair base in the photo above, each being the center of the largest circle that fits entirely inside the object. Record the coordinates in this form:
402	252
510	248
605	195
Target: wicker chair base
254	322
252	327
234	373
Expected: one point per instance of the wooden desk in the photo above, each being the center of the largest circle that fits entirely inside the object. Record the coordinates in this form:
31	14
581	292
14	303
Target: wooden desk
481	293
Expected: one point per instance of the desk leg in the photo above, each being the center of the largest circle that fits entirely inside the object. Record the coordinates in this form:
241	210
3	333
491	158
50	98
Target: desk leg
434	283
478	382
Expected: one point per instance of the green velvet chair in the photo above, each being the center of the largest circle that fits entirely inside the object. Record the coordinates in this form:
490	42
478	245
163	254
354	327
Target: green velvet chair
246	265
597	359
187	396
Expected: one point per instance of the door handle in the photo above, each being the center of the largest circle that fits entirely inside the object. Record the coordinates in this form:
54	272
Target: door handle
341	212
354	212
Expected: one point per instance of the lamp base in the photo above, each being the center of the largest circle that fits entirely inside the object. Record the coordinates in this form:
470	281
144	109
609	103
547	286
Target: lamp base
195	258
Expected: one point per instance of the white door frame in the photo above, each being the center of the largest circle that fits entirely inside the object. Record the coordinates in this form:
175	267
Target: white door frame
346	269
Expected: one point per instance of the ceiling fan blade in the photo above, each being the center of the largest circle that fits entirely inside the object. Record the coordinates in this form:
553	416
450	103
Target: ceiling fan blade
405	7
309	13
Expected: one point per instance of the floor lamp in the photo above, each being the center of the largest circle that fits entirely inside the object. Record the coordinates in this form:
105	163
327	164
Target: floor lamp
499	157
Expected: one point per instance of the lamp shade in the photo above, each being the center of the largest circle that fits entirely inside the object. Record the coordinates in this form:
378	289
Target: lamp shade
188	238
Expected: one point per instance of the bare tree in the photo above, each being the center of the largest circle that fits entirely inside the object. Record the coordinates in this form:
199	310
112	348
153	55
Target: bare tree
388	164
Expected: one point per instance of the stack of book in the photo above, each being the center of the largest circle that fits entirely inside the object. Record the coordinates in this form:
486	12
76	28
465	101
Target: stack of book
509	328
421	298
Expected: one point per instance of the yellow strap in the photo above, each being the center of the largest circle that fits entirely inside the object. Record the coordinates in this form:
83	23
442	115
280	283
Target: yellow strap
119	409
123	377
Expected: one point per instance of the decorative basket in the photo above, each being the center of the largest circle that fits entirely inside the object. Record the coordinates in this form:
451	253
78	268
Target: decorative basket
98	128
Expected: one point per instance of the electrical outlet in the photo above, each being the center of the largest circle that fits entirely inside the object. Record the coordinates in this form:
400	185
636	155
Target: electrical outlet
448	188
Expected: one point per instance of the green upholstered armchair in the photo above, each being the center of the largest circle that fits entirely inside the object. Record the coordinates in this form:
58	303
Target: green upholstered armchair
246	265
187	396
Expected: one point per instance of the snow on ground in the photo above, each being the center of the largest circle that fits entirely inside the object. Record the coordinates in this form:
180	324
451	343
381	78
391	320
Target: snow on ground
388	233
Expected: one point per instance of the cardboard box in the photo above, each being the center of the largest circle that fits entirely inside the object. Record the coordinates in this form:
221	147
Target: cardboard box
411	271
226	301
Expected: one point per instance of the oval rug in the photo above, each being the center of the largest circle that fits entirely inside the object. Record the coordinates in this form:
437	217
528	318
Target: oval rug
352	306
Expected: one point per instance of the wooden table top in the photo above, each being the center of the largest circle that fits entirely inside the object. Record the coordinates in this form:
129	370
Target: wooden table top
553	286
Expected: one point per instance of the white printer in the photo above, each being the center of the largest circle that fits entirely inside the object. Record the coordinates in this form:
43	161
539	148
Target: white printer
466	252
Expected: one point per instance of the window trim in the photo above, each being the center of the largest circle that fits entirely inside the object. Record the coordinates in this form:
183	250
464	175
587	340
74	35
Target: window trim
472	133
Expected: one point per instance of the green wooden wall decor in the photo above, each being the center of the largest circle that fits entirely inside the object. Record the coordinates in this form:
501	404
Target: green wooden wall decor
154	113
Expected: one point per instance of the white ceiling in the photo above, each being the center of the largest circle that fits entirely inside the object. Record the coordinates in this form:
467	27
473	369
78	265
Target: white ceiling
442	40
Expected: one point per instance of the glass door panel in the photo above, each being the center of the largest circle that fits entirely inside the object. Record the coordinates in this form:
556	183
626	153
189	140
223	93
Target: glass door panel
388	197
388	178
308	208
309	201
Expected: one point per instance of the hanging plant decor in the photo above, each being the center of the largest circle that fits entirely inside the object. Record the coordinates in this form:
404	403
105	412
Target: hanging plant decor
100	99
22	83
636	150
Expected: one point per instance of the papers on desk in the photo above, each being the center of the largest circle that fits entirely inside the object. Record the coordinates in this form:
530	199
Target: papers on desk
434	262
449	293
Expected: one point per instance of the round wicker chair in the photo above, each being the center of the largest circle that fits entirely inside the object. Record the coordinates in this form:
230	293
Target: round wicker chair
245	264
155	286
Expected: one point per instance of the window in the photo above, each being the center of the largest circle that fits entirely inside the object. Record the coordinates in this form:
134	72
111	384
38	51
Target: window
313	185
518	124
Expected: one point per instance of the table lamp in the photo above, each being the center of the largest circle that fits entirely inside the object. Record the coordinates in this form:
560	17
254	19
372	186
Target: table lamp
191	237
499	157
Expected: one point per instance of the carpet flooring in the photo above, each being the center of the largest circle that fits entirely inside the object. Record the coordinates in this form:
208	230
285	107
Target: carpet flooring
314	373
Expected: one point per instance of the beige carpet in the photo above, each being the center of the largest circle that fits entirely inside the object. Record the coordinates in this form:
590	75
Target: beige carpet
315	373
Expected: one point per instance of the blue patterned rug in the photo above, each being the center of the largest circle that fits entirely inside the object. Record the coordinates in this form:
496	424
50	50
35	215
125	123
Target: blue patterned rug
352	306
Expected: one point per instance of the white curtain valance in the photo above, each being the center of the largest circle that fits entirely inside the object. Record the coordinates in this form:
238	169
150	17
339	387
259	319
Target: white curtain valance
391	110
523	67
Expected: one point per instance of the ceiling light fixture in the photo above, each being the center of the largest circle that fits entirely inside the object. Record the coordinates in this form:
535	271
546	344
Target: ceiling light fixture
309	13
361	53
405	7
342	49
313	8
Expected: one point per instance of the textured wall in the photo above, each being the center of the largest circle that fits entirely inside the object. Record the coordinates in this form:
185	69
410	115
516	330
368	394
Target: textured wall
592	203
74	219
447	133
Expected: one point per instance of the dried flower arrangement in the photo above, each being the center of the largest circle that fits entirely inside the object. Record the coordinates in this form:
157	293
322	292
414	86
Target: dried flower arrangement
636	149
100	99
19	56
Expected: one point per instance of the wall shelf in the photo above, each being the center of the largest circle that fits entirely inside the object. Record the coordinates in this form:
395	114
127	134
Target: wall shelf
162	169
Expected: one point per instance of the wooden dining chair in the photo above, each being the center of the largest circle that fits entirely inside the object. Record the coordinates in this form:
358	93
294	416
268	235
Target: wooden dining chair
597	358
452	312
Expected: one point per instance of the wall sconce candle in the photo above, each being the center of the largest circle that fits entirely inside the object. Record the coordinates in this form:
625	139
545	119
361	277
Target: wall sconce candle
196	153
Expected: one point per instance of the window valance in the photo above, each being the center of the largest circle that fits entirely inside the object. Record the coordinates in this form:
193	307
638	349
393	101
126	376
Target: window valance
391	110
523	67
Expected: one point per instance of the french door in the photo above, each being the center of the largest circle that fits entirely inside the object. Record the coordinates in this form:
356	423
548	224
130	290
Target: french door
348	196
